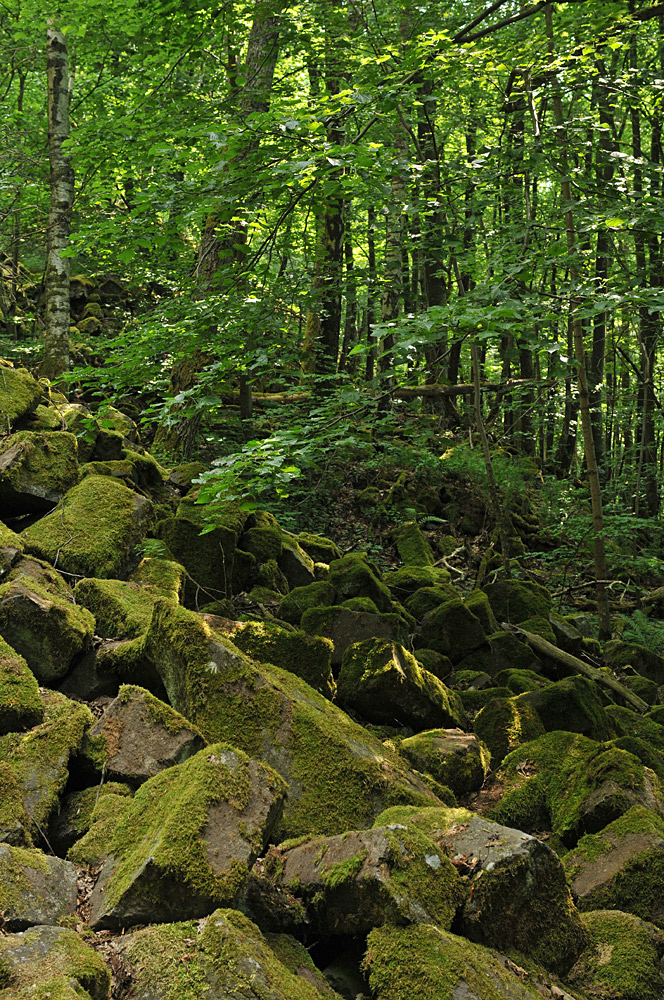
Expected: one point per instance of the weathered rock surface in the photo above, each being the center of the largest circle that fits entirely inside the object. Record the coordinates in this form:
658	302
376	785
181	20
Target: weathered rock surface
452	630
454	758
20	704
187	840
36	470
20	394
77	811
34	888
359	880
623	961
345	626
138	736
54	962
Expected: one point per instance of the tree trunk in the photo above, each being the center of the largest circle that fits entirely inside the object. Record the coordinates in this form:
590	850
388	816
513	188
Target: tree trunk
56	337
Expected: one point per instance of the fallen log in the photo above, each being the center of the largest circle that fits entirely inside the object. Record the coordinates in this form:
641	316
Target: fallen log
546	648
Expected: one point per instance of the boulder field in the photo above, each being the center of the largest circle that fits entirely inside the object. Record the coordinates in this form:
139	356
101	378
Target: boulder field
243	764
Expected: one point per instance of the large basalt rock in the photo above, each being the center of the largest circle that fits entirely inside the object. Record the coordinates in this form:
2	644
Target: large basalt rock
187	840
503	724
76	811
452	630
339	775
34	768
422	962
384	683
623	961
228	958
20	395
355	881
517	894
412	546
11	547
39	619
123	608
20	704
622	867
454	758
345	626
51	962
36	470
515	600
95	531
354	576
34	888
138	736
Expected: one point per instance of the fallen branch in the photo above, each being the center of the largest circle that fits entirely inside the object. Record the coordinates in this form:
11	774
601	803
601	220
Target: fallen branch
546	648
464	389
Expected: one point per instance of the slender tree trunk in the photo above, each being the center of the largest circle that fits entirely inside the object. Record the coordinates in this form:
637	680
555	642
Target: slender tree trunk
599	554
56	337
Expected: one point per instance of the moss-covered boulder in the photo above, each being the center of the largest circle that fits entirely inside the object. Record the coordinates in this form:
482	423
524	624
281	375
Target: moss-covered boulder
517	896
411	544
34	888
138	736
95	531
294	563
478	602
503	652
422	962
263	543
515	600
427	599
319	548
384	683
622	866
307	656
359	880
339	775
452	630
11	547
623	961
20	704
208	559
454	758
37	766
405	581
571	785
520	681
51	962
645	661
41	622
75	813
315	595
344	626
573	704
355	576
98	821
36	470
188	839
20	394
123	608
228	957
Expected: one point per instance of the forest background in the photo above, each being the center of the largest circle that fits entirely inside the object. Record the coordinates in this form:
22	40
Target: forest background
355	244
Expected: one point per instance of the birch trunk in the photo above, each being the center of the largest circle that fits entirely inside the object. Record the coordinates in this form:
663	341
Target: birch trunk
56	338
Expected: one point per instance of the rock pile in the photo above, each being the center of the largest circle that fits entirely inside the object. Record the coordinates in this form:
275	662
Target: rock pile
364	785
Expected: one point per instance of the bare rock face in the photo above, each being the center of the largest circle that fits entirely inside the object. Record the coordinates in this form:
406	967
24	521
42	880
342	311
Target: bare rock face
187	840
138	736
359	880
34	888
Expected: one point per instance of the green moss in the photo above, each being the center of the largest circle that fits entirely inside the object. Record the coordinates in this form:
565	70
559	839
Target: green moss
95	530
656	715
573	704
360	604
540	625
319	548
521	681
515	601
160	577
103	819
504	724
408	579
412	546
645	661
38	468
20	704
437	664
15	883
53	964
15	823
263	543
20	394
355	576
270	577
427	599
474	700
628	723
452	630
477	602
122	610
300	599
423	962
623	960
434	751
307	656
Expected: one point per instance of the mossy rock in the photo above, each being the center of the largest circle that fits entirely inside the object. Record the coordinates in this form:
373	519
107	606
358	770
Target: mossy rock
644	688
38	760
475	699
339	775
37	468
108	810
646	662
622	866
20	394
504	652
315	595
122	610
294	563
34	888
423	962
360	604
90	325
437	664
187	839
573	704
624	960
571	785
629	723
307	656
263	543
405	581
355	576
521	681
160	578
452	630
344	627
93	309
505	724
456	759
83	424
229	956
75	814
183	475
427	599
20	704
51	962
95	531
319	548
477	602
540	625
514	600
41	622
411	544
11	547
384	683
44	418
656	714
271	577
